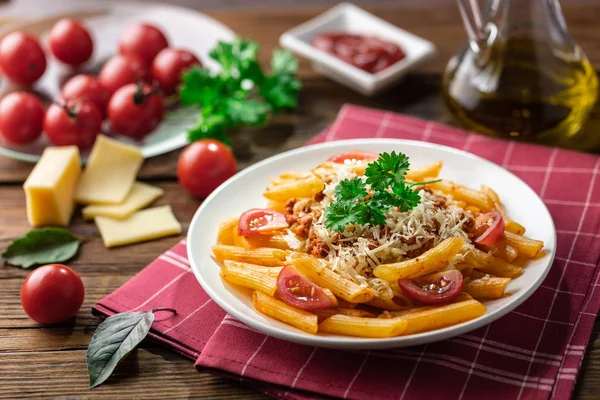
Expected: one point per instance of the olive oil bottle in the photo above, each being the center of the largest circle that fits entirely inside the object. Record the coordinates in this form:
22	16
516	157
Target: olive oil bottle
529	82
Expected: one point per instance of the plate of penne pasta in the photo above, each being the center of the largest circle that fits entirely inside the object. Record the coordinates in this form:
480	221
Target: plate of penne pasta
375	243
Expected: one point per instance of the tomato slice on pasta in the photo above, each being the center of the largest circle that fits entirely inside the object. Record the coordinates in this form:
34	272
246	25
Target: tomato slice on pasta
258	221
298	291
438	288
354	157
490	227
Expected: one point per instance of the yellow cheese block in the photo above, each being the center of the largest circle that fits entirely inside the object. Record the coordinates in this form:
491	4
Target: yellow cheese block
139	197
49	188
152	223
110	172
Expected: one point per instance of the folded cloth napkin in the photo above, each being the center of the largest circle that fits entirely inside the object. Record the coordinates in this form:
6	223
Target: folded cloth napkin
534	352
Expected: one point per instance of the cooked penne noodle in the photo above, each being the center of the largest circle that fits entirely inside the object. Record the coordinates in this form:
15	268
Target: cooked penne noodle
363	327
424	172
263	279
316	271
224	235
346	304
239	241
283	312
278	206
276	241
429	262
525	246
492	265
352	312
432	318
502	250
509	224
388	304
330	294
460	192
294	175
488	287
306	187
261	256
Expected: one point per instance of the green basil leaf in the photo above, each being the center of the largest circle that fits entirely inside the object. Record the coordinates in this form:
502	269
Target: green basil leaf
113	340
42	246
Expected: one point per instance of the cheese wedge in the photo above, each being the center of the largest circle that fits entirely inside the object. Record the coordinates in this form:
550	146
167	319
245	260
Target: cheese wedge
152	223
49	188
110	172
139	197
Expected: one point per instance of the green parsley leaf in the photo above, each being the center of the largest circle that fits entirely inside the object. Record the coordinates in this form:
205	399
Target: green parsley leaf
341	214
389	169
197	87
281	88
405	198
247	112
350	190
373	215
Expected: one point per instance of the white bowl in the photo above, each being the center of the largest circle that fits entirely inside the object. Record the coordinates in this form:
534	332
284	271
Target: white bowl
244	191
348	18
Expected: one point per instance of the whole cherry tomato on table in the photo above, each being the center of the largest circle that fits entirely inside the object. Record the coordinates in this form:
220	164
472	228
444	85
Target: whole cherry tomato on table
73	123
135	110
70	42
204	165
142	40
168	66
123	70
21	118
86	87
52	294
22	59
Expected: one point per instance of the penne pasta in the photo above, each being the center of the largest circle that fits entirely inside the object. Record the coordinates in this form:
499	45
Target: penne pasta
276	241
525	246
306	187
258	277
278	206
431	318
431	261
352	312
424	172
225	235
316	271
363	327
239	241
261	256
389	304
283	312
460	192
502	250
487	287
489	264
509	224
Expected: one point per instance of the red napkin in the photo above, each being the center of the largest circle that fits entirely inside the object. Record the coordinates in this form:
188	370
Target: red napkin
534	352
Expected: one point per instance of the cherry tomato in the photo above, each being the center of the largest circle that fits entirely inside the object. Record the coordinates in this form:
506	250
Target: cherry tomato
297	291
168	66
204	165
433	289
21	118
52	294
490	227
142	40
70	42
258	221
73	123
354	157
123	70
135	110
22	59
86	87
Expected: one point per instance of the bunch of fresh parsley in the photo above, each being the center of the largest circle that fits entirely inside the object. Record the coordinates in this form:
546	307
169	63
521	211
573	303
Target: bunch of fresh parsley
241	93
354	204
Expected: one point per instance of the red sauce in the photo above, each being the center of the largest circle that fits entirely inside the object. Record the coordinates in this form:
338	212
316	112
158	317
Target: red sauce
368	53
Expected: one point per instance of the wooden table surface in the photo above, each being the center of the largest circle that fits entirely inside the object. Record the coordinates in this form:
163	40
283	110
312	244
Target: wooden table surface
50	361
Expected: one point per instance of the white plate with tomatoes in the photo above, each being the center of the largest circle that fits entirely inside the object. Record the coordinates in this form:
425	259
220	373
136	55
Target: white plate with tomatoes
178	28
245	191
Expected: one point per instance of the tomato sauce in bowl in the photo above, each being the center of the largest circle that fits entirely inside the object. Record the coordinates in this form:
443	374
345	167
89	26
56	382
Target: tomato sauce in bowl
369	53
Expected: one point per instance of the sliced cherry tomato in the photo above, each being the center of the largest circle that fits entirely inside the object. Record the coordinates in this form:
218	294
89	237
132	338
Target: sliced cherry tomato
123	70
258	221
70	42
86	87
354	157
168	66
204	165
52	294
433	289
21	118
22	59
142	40
297	291
490	227
74	123
135	110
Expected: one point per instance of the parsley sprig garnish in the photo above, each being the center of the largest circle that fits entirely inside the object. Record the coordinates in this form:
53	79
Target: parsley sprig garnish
355	204
241	93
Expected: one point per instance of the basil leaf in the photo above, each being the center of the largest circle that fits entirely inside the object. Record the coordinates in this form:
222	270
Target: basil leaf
114	338
42	246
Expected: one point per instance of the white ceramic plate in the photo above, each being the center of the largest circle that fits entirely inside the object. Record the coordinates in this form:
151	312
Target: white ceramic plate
184	28
244	191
